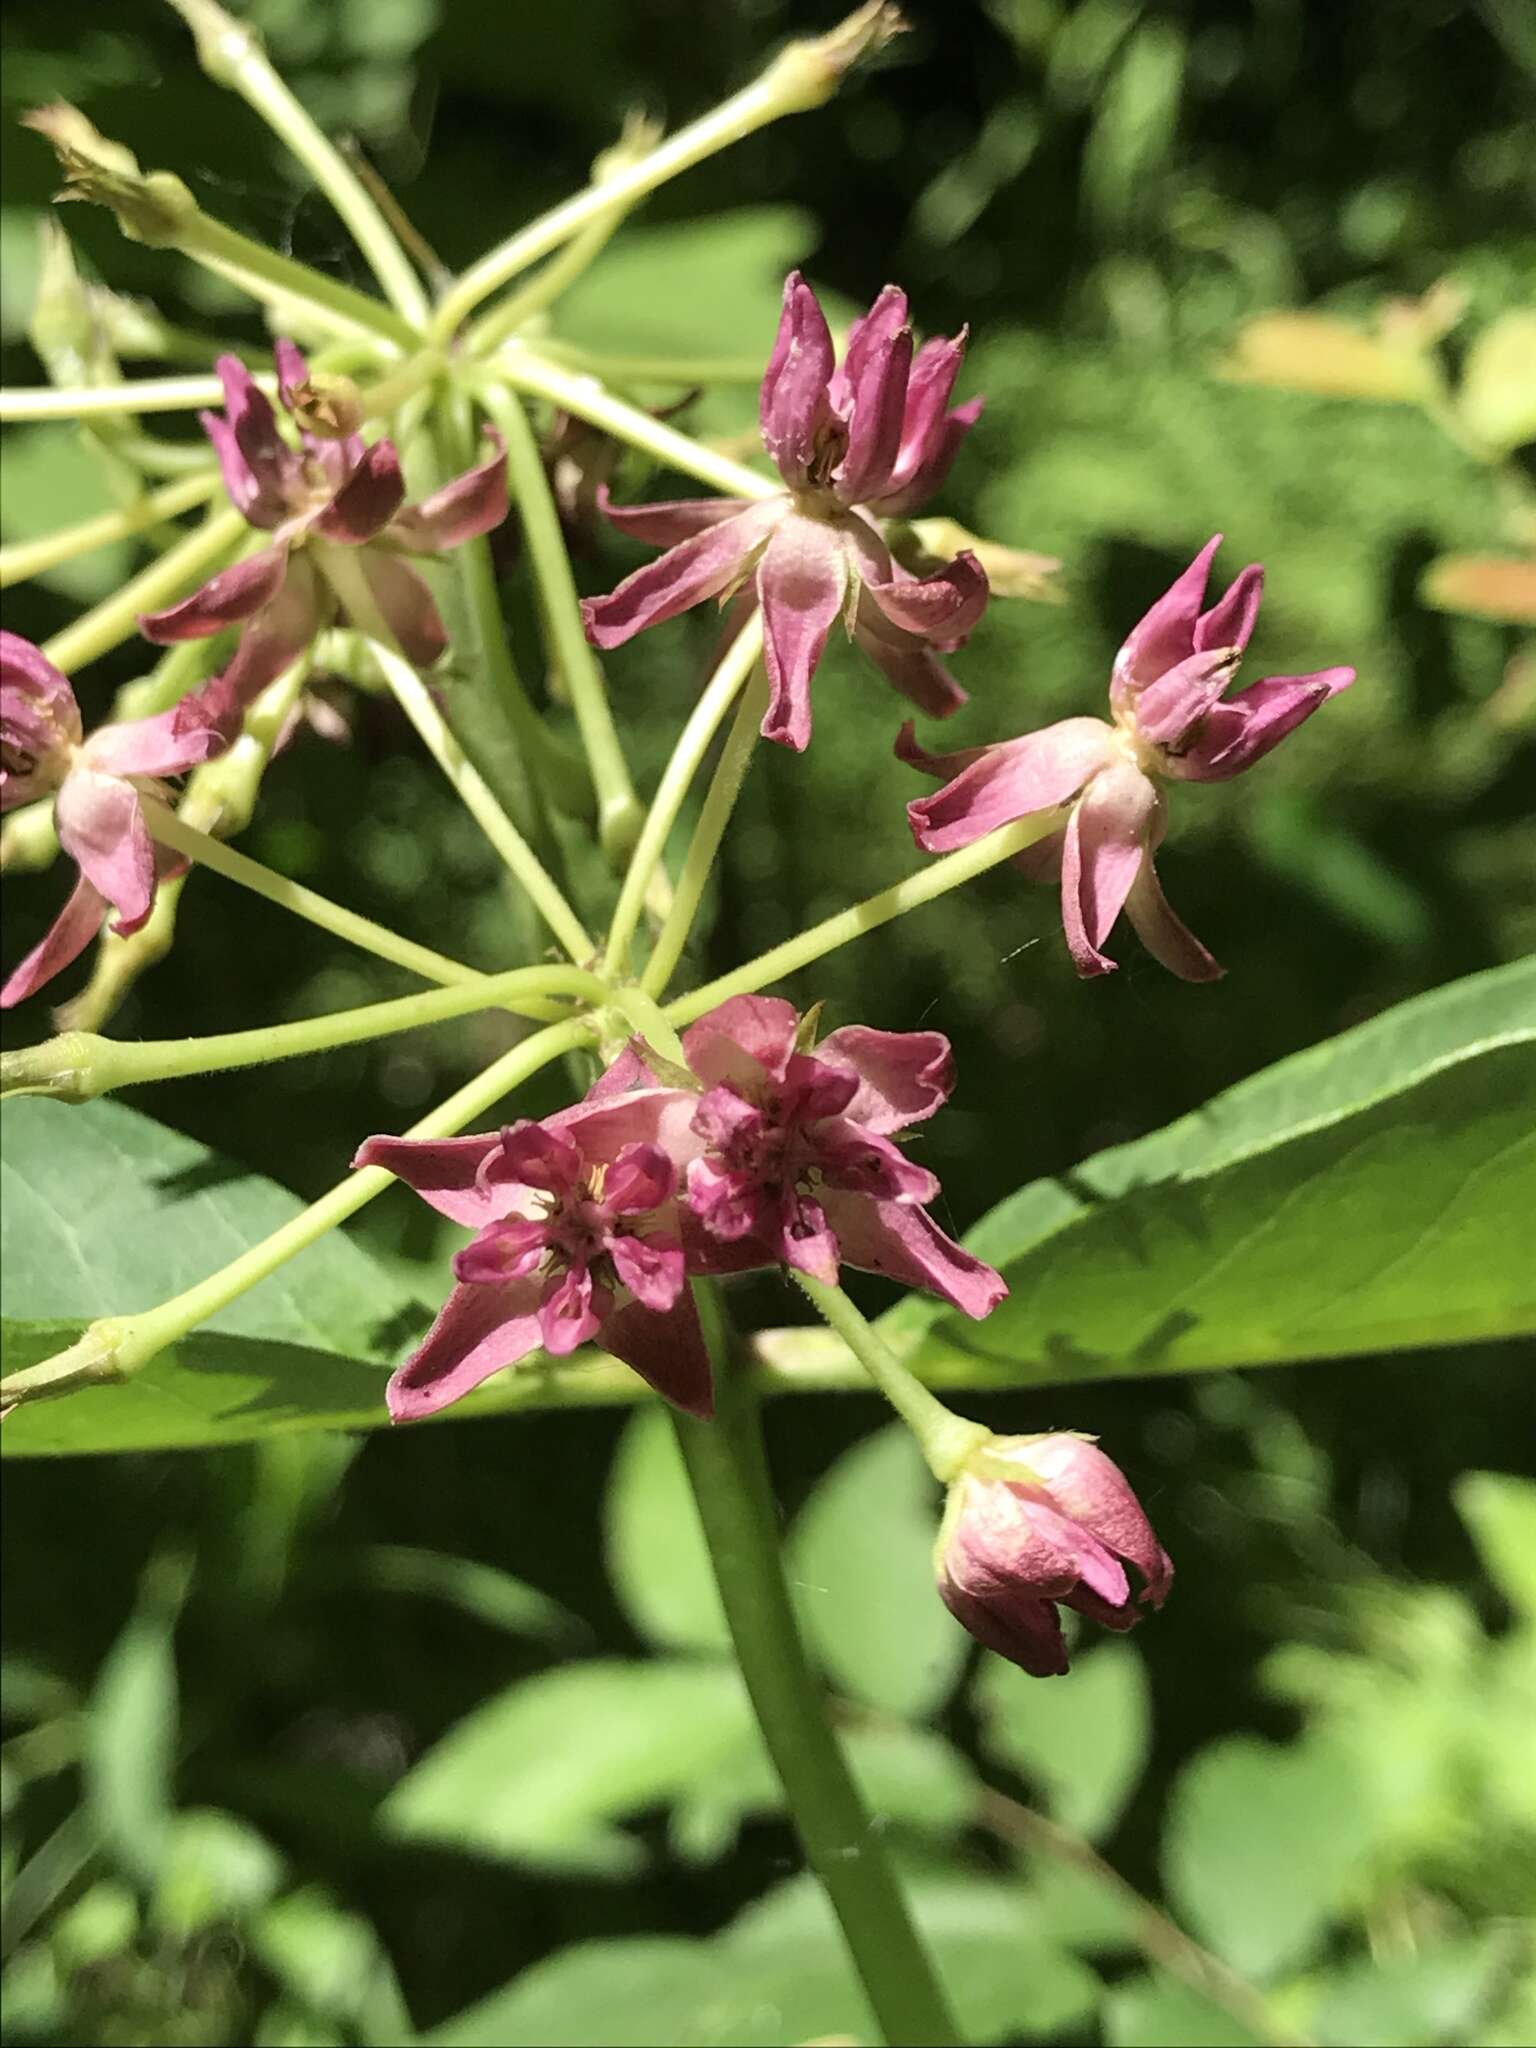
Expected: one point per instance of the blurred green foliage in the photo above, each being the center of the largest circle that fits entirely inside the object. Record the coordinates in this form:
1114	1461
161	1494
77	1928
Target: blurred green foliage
243	1799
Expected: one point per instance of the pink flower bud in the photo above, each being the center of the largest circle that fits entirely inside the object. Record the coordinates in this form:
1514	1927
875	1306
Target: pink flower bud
1033	1520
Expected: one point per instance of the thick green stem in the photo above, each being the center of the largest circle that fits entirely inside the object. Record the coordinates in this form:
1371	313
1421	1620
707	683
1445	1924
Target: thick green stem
729	1475
116	618
698	863
27	558
693	743
618	808
144	394
79	1066
231	54
281	282
946	1439
950	871
118	1346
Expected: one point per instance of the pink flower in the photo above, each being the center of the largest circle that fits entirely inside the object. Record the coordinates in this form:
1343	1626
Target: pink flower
853	443
99	783
1172	720
793	1161
334	491
1032	1520
576	1239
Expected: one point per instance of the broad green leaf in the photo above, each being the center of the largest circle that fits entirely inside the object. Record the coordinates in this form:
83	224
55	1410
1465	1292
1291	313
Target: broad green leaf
130	1740
52	479
643	1991
1436	1995
543	1773
1500	1511
657	1557
216	1867
1160	2012
1370	1194
1497	398
1083	1739
1260	1845
861	1567
333	1963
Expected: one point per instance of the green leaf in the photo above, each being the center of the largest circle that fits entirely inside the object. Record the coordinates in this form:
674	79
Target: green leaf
642	1992
657	1556
482	1590
1083	1739
333	1963
130	1742
1370	1194
1438	1994
861	1565
216	1867
1500	1511
542	1773
52	479
1261	1843
1159	2012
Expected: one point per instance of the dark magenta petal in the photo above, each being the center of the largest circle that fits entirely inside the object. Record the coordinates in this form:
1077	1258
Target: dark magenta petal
477	1332
1014	779
236	593
794	407
464	508
367	501
1164	934
102	829
715	558
802	583
64	941
1105	846
667	1350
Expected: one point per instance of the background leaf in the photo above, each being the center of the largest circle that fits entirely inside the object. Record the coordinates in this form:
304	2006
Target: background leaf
1083	1740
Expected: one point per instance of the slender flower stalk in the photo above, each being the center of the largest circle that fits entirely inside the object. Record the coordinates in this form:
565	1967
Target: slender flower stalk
116	1347
803	76
78	1066
25	559
945	1439
952	871
704	847
619	814
620	369
530	873
728	1472
169	830
693	743
116	618
136	395
232	55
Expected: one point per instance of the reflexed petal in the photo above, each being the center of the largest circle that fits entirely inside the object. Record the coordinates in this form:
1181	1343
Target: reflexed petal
650	1267
465	507
793	407
666	1350
478	1330
943	767
742	1040
267	458
1015	779
276	638
1242	730
903	1076
670	520
710	562
942	608
102	829
1165	935
192	731
367	501
1106	844
907	663
65	940
861	1162
236	593
1166	634
1230	621
445	1172
257	495
801	584
1016	1625
906	1245
409	609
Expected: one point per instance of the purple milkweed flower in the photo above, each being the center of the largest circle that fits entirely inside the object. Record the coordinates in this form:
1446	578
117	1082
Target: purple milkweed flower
1032	1520
331	489
854	442
99	784
1172	721
576	1226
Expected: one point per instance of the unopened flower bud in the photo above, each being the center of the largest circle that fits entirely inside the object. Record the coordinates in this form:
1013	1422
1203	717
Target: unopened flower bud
1036	1520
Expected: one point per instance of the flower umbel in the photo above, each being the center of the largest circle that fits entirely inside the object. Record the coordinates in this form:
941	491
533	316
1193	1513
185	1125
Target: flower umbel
854	442
330	491
99	783
1033	1520
576	1240
1172	721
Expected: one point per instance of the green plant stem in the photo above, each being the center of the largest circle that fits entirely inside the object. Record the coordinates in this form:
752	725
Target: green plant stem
415	374
946	1439
530	873
525	369
562	271
704	847
684	370
231	54
728	1472
282	282
362	932
116	618
24	559
693	743
79	1066
949	871
116	1347
619	813
134	395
